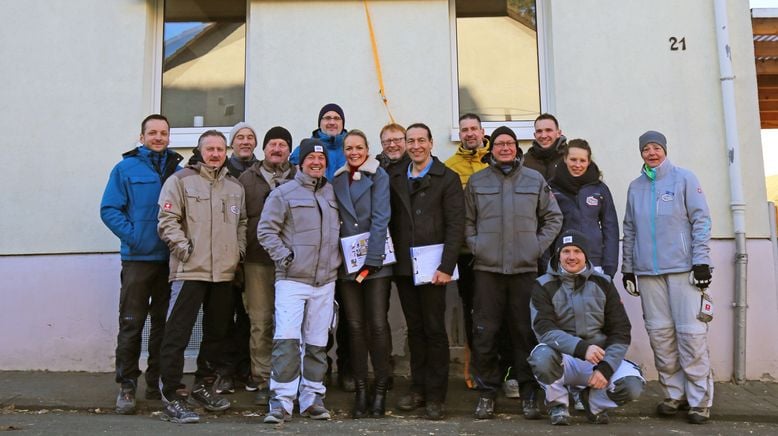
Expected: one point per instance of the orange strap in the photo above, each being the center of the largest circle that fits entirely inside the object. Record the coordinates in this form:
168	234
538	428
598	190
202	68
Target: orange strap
377	62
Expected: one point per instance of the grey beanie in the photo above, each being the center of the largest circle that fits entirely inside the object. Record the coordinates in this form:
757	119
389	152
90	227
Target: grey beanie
236	129
652	136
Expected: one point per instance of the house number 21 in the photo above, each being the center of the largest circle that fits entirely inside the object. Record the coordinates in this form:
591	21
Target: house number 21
677	44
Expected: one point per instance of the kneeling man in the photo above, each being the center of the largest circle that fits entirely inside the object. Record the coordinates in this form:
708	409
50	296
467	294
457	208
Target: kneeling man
584	333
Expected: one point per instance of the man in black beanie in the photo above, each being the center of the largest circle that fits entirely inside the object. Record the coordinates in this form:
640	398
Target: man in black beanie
258	181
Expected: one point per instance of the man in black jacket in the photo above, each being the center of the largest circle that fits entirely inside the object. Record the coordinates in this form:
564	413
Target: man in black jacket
427	209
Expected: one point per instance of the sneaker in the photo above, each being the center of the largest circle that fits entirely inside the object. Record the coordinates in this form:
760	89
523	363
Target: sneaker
125	401
485	408
510	387
698	415
411	401
224	385
277	415
594	418
251	384
669	407
578	405
317	412
202	396
559	414
177	412
434	411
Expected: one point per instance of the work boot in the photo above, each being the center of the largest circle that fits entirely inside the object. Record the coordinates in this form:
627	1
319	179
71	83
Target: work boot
559	414
360	400
529	401
594	418
203	397
378	409
698	415
125	401
225	384
178	412
669	406
277	415
411	401
317	410
485	408
434	411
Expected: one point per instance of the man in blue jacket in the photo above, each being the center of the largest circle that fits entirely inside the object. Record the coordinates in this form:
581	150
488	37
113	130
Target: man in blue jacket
666	261
129	209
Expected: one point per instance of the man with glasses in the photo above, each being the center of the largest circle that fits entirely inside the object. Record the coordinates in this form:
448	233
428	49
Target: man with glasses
393	153
427	209
511	217
331	133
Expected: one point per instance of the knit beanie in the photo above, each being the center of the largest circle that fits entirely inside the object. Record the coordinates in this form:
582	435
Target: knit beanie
332	107
311	145
278	132
236	129
572	237
503	130
652	136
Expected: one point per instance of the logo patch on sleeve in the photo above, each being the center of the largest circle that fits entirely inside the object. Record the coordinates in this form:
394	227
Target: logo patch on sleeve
167	206
592	201
235	210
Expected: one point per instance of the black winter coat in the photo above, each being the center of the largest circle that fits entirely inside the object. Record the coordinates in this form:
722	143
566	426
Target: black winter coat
425	212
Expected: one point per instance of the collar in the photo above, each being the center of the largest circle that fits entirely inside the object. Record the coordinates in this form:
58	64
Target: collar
370	166
423	171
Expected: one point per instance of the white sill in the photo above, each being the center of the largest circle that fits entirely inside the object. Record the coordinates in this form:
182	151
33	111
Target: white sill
524	129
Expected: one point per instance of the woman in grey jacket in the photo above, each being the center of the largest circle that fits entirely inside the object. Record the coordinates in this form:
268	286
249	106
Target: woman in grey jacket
362	190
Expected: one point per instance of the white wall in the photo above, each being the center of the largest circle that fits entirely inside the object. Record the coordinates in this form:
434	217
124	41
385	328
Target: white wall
73	97
616	77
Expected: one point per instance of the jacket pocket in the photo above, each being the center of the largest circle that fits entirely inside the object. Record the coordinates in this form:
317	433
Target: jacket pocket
198	205
525	205
144	192
231	208
304	215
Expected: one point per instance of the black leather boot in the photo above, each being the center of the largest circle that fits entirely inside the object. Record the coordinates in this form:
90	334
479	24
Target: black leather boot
360	399
378	409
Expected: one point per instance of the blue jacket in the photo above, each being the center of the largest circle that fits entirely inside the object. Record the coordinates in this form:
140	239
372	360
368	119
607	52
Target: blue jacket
667	223
129	206
335	156
592	213
364	207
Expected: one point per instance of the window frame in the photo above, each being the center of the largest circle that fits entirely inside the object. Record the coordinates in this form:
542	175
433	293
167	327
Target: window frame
186	137
524	129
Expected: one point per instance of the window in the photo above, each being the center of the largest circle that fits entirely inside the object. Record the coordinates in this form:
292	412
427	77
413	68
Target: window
498	72
204	63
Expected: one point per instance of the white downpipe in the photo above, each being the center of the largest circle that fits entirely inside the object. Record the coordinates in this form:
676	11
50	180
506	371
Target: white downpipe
737	204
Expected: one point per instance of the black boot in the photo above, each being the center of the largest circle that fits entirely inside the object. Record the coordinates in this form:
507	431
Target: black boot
378	409
360	399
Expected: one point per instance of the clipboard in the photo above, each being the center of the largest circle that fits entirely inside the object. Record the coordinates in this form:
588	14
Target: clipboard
426	260
355	251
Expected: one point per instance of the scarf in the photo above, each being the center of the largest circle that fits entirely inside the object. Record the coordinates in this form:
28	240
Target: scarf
567	182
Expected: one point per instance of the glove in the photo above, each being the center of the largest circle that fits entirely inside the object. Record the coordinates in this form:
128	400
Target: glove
370	269
630	284
700	276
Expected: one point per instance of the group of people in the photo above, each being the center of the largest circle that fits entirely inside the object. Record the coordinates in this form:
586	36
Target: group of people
532	241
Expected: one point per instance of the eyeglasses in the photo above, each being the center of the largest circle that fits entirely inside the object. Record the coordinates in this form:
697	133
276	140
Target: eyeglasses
388	141
505	144
329	118
420	141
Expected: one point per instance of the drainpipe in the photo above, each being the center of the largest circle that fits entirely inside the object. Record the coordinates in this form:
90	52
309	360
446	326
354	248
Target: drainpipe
737	204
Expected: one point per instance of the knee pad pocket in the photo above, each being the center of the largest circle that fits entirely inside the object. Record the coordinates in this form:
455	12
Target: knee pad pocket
285	360
626	389
315	363
546	364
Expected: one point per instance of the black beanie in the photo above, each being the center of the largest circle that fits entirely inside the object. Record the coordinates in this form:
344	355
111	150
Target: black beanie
332	107
503	130
278	132
572	237
310	145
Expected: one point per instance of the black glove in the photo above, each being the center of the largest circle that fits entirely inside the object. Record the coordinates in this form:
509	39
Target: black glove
287	260
630	284
701	276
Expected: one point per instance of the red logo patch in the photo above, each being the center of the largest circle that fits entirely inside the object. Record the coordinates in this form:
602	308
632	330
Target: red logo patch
168	205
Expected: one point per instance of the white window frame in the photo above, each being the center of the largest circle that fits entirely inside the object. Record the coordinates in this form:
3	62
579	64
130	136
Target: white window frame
524	129
186	137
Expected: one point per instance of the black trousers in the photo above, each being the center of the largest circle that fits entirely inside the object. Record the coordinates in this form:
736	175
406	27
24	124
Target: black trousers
502	298
366	305
341	337
424	308
145	292
185	301
238	337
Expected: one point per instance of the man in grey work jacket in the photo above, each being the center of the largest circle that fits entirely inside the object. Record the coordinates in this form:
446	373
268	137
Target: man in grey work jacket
666	262
511	218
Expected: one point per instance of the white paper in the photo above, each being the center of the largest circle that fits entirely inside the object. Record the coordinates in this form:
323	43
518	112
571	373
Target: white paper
355	251
426	260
